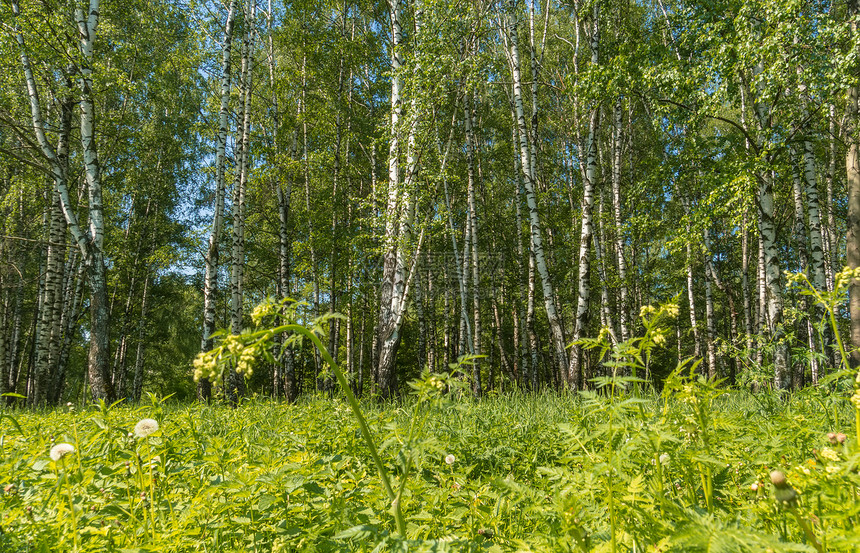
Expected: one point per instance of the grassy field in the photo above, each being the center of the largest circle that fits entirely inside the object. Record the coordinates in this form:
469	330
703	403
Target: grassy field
687	470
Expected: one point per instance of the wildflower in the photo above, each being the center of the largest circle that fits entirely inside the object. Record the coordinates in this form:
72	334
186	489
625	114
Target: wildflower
784	492
61	450
671	309
831	436
664	459
828	453
754	486
659	339
449	459
840	437
855	399
260	312
145	427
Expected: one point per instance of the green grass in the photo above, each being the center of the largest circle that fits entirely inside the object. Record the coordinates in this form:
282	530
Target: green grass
531	473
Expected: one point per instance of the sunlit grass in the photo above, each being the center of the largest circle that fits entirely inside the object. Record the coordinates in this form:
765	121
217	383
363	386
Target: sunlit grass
531	472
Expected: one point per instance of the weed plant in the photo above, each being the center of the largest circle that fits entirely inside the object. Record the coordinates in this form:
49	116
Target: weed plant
688	470
696	467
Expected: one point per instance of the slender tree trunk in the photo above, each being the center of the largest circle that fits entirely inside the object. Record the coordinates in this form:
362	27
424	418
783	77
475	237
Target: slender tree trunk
137	387
833	239
473	228
745	284
210	279
524	279
852	169
600	257
529	181
585	236
782	379
710	331
73	300
400	210
99	354
691	299
236	381
623	306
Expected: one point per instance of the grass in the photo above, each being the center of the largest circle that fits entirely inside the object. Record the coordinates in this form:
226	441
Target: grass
687	470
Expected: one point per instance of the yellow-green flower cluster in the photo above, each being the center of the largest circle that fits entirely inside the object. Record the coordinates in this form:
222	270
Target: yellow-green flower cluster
855	399
844	277
264	309
245	362
206	366
671	309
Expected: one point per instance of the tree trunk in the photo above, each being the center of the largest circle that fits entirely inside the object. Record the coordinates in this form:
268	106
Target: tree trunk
210	279
137	387
589	177
236	383
852	169
623	307
529	181
473	228
400	210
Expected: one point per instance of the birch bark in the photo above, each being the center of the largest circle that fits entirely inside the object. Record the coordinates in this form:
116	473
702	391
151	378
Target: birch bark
589	150
400	209
236	382
529	182
852	169
210	278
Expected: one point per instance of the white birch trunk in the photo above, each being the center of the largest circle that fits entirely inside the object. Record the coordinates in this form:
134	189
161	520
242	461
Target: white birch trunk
624	306
473	228
210	278
852	170
400	211
531	199
236	385
589	149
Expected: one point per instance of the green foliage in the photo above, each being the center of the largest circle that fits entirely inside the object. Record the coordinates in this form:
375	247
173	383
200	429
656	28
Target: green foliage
509	473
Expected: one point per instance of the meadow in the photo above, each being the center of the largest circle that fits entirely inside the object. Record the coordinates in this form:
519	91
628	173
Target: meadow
694	467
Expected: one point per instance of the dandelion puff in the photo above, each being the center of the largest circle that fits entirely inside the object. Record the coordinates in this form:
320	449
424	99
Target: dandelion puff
449	459
61	450
145	427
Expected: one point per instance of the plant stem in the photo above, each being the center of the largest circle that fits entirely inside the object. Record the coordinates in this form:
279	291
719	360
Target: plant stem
804	524
362	424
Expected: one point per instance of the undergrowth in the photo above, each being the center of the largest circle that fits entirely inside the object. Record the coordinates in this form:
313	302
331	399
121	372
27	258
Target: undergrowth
688	470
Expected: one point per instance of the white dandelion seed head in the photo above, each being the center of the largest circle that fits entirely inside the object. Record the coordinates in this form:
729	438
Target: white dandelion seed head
145	427
61	450
449	459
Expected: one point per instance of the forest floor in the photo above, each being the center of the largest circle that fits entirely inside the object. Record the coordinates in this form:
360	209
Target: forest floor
691	469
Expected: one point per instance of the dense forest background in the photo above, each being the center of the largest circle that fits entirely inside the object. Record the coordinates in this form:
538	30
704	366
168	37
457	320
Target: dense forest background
454	177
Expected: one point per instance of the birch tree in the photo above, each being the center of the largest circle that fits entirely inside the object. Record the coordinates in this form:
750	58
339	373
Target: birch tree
89	240
210	278
528	167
